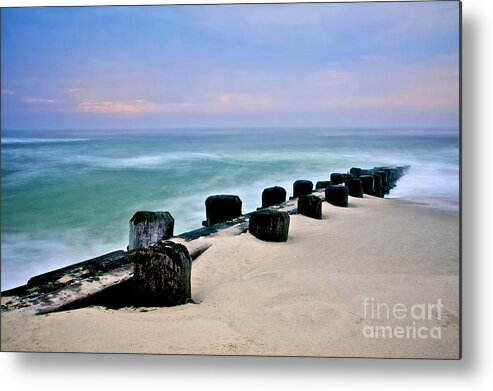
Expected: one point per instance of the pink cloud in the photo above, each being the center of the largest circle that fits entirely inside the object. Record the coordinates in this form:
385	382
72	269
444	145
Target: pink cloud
385	86
374	84
216	103
433	97
127	108
134	107
232	102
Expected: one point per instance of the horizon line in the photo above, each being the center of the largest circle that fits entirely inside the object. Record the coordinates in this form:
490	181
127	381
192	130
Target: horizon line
369	127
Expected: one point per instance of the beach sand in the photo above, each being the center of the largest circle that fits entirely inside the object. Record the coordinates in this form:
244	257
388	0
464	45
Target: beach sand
304	297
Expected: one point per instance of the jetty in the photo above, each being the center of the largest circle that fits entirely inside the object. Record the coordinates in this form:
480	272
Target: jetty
127	278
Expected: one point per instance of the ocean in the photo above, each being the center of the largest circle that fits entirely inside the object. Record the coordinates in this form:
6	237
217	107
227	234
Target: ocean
68	196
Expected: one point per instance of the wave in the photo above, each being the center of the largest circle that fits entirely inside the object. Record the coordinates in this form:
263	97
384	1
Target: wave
25	255
140	162
98	185
158	161
435	185
34	140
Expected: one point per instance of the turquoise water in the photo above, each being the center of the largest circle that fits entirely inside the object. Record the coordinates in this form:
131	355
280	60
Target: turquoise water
67	197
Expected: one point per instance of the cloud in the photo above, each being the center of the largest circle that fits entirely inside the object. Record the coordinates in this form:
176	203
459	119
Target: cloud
40	101
383	85
216	103
127	108
75	90
237	102
377	85
6	91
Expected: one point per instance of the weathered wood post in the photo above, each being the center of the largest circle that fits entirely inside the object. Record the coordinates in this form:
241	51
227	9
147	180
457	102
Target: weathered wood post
355	188
269	225
162	275
378	188
337	195
368	184
337	178
392	177
302	187
385	179
355	172
221	208
400	170
322	184
273	196
147	228
310	206
391	174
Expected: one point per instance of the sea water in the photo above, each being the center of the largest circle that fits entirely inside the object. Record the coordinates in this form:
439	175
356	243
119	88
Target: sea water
67	196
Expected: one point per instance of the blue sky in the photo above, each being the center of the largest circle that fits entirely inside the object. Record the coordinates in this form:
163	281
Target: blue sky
363	64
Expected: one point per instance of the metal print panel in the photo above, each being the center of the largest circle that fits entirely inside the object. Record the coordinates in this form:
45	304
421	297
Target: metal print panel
242	179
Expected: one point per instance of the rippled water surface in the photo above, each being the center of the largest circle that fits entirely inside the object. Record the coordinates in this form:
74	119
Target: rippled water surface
67	198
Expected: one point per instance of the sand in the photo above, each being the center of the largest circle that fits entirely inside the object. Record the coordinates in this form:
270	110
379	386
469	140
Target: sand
304	297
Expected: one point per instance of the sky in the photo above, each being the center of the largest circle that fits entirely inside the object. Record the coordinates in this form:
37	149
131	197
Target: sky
360	64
